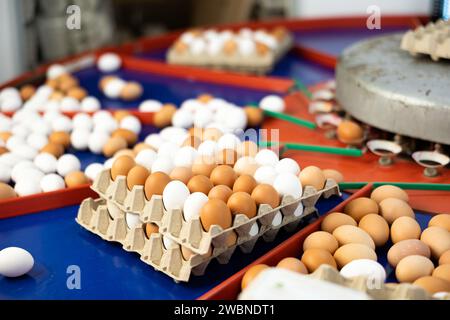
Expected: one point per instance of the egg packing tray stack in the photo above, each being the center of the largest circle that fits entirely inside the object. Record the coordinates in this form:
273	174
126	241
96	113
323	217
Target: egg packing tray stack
107	218
389	291
432	40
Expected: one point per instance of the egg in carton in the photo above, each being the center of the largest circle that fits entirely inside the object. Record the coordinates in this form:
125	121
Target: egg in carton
433	40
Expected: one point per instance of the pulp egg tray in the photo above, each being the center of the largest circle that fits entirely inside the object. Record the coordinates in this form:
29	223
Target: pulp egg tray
391	291
433	40
191	233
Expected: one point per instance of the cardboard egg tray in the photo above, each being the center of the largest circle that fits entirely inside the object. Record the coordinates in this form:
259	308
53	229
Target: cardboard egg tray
433	40
191	234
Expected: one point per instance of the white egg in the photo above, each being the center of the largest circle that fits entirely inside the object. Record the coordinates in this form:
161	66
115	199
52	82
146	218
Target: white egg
26	152
210	34
187	37
82	121
20	130
68	163
441	295
207	148
254	230
197	46
287	165
114	88
154	140
273	103
133	220
365	268
168	150
51	105
101	116
14	142
19	167
193	205
246	33
69	104
288	184
146	158
62	123
28	187
55	71
10	104
163	164
5	173
93	170
9	159
50	116
185	157
267	157
243	163
169	243
277	220
173	134
5	123
79	139
235	120
203	117
131	123
214	47
175	195
150	106
9	92
108	125
228	141
37	141
97	141
46	162
109	163
109	62
183	119
52	182
246	47
15	262
216	104
90	104
191	105
265	175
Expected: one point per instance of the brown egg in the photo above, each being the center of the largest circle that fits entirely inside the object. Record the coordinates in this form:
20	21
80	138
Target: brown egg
261	48
215	212
155	184
226	157
137	177
441	220
151	228
361	207
212	134
321	240
246	165
76	179
384	192
333	175
433	285
205	98
4	135
248	149
376	227
121	166
335	220
55	149
280	33
77	93
59	137
220	193
245	183
438	239
163	118
353	251
392	209
350	132
68	83
314	258
132	91
230	47
192	141
3	150
114	145
255	116
141	147
52	83
223	175
57	96
445	258
204	165
293	264
181	174
406	248
313	177
405	228
180	47
442	272
200	184
242	203
411	268
125	152
187	253
27	91
231	239
350	234
6	191
266	194
251	274
128	135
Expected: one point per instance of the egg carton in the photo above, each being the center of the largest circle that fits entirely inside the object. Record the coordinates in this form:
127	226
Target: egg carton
190	233
433	40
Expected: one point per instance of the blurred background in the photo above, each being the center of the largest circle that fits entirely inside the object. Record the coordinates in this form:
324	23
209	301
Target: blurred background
34	31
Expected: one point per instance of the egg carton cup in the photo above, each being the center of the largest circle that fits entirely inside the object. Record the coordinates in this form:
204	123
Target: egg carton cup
433	40
391	291
191	233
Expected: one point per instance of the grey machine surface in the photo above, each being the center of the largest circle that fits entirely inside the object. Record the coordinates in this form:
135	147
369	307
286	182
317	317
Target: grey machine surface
387	88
